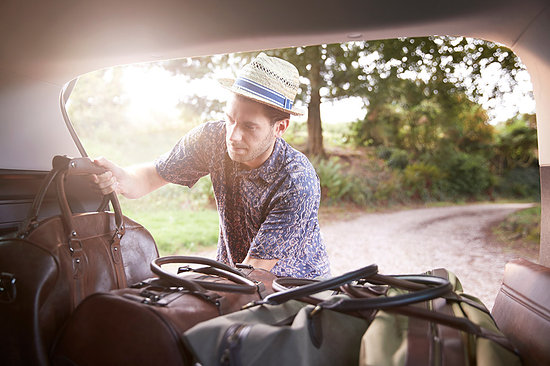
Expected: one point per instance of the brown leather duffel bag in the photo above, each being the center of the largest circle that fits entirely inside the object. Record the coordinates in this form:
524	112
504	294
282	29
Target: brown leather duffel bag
53	264
143	325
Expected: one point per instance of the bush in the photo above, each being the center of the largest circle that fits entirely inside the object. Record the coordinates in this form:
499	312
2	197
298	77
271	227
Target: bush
422	180
338	185
520	183
467	174
388	191
395	158
384	152
399	159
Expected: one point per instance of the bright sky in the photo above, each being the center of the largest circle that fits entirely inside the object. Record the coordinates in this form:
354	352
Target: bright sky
154	93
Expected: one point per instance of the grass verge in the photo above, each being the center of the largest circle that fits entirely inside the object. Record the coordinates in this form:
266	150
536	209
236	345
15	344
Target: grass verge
521	230
179	231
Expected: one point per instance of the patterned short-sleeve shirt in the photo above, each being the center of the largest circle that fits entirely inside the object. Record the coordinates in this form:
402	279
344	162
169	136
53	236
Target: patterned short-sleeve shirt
269	212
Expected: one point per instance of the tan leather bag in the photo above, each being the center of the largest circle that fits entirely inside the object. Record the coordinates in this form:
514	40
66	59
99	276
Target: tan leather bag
57	262
143	325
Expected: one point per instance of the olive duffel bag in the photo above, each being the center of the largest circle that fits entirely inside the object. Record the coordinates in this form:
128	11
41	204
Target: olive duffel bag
454	329
379	320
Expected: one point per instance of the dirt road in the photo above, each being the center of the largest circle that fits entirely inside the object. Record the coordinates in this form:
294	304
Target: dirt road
414	241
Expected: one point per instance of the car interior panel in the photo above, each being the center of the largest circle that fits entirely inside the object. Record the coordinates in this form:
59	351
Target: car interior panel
522	310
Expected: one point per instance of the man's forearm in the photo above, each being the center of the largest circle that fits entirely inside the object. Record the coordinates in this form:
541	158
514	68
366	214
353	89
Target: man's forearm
142	179
266	264
132	182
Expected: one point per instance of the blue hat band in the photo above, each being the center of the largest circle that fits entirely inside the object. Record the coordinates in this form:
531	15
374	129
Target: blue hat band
263	92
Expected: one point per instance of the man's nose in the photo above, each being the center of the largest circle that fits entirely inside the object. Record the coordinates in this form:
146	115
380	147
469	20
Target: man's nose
234	133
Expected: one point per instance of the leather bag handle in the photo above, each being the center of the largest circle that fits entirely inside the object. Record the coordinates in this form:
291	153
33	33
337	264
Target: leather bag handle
463	324
313	287
240	282
81	166
61	167
32	216
432	287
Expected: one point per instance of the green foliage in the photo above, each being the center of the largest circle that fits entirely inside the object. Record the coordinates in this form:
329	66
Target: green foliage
516	144
98	109
520	182
467	174
432	128
422	181
440	60
384	152
389	191
395	158
296	134
338	184
336	134
398	159
418	99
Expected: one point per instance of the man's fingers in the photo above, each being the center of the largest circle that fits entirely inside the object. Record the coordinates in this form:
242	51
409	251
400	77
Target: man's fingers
108	165
109	181
106	182
110	188
98	178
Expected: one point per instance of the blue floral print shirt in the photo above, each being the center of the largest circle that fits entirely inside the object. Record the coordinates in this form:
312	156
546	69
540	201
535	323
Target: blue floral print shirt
270	211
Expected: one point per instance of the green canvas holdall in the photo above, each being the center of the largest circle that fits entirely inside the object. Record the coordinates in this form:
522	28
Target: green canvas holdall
455	329
291	333
280	330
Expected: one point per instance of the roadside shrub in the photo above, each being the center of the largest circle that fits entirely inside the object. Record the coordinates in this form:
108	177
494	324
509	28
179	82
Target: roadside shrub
421	180
520	183
337	184
395	158
467	174
399	159
389	191
384	152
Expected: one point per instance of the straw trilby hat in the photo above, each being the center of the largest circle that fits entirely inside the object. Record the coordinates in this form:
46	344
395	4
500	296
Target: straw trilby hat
268	80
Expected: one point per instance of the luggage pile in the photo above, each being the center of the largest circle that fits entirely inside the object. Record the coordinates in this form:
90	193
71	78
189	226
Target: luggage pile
89	289
211	316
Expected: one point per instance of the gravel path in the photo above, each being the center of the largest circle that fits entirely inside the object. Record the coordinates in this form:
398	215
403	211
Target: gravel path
418	240
414	241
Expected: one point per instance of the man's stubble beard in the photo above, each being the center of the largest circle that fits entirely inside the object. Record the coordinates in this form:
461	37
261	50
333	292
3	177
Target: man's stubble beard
267	143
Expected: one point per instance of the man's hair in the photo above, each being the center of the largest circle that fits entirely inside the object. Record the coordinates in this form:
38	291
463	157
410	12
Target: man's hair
275	115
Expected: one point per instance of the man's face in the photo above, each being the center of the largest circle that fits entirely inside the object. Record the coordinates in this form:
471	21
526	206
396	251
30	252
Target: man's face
249	134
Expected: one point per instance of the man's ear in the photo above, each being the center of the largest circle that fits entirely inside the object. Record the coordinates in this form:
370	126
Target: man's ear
281	126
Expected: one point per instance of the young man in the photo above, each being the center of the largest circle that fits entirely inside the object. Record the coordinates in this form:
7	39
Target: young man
266	192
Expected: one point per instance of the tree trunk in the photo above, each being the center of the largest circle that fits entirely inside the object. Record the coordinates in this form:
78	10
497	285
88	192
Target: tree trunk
315	132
